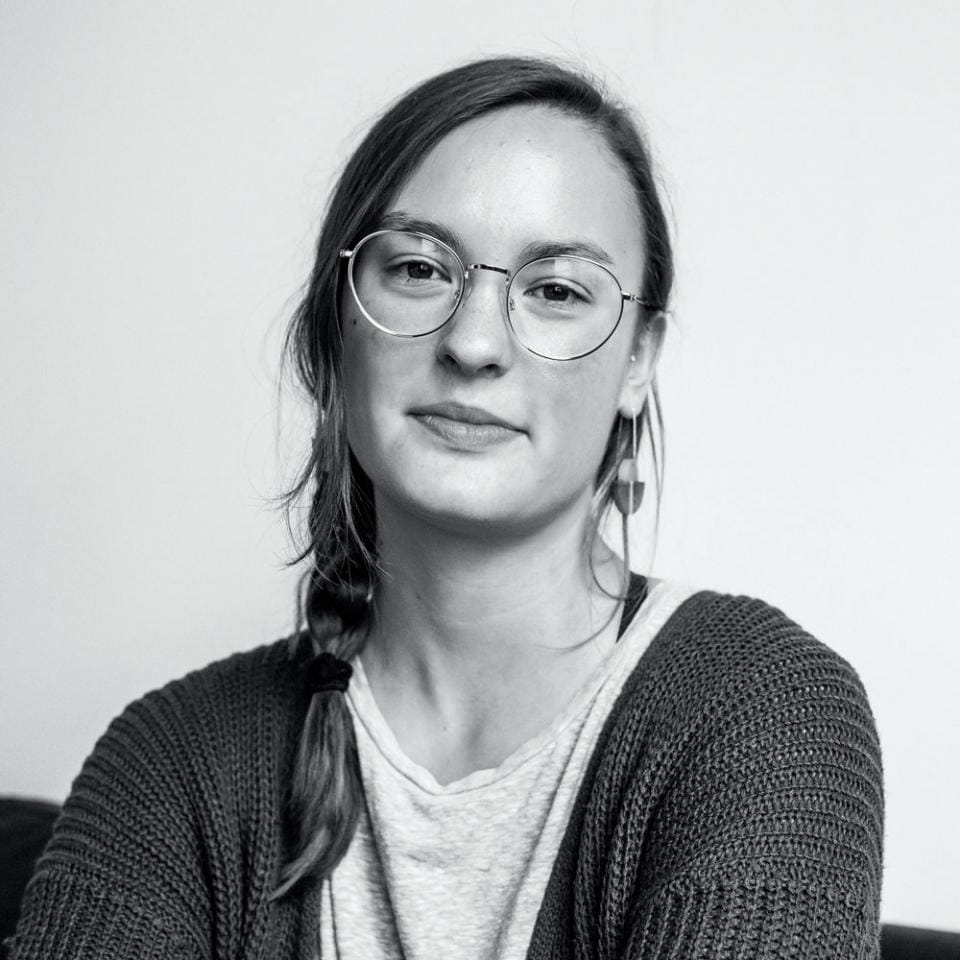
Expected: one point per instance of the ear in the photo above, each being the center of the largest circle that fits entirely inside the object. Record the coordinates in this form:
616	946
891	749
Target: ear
642	366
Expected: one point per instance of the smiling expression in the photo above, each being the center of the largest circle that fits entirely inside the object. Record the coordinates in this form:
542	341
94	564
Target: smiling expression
465	427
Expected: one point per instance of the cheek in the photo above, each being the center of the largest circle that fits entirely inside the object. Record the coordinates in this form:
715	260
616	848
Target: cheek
362	382
582	410
377	376
362	360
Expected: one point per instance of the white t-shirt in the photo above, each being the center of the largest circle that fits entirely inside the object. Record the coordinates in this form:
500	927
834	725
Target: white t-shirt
458	870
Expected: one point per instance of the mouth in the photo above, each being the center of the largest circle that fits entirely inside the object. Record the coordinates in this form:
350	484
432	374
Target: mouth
465	426
461	413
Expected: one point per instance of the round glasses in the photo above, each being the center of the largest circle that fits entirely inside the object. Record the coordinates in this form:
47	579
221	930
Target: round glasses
409	284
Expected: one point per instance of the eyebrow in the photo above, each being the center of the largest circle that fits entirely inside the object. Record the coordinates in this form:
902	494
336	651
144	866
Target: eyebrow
399	220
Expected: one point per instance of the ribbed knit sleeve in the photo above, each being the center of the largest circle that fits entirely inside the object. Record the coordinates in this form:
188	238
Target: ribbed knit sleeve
121	875
736	809
168	842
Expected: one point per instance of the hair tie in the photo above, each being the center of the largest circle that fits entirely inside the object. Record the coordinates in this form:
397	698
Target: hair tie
327	672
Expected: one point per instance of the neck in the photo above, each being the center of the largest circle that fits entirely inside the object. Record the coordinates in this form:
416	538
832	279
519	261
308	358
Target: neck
453	610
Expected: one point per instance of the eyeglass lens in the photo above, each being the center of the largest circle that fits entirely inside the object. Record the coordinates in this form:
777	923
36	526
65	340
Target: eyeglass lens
410	285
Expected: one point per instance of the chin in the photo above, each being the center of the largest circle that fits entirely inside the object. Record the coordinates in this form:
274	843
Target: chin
469	495
466	512
503	510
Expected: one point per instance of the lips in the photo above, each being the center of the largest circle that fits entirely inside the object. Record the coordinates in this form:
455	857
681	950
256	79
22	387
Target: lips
464	428
461	413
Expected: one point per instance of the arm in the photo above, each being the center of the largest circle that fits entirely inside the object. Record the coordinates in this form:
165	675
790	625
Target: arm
768	839
121	876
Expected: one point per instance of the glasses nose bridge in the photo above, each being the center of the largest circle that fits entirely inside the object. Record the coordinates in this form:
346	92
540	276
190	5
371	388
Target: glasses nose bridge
468	280
486	266
468	268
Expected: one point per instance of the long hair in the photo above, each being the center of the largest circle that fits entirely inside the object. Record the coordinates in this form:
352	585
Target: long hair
336	592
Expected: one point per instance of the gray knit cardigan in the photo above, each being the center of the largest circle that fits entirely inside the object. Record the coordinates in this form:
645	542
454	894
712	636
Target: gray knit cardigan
733	807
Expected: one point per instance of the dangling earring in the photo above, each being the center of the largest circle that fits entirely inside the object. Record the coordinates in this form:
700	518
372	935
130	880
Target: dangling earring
628	489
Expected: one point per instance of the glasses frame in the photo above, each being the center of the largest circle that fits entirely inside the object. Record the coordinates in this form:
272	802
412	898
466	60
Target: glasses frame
350	256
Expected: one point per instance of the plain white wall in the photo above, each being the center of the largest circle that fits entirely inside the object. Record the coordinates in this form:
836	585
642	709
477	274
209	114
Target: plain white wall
162	174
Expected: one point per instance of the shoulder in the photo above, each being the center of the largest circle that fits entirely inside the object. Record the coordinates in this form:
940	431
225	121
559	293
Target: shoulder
220	702
216	731
719	651
179	796
202	755
731	679
755	743
263	676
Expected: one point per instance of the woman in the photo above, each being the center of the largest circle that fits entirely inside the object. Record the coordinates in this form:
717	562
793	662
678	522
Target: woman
489	740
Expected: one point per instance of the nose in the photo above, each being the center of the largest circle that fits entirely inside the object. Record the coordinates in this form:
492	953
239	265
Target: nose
477	339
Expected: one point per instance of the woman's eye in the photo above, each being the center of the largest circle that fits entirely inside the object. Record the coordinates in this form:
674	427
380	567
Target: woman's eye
418	270
558	293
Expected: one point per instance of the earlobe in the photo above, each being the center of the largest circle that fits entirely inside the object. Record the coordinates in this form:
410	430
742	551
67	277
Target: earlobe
642	368
634	391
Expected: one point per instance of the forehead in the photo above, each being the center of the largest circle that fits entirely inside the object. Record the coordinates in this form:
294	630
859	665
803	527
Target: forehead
525	175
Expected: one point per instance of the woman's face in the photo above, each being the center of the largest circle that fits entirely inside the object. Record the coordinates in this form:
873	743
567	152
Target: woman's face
511	179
